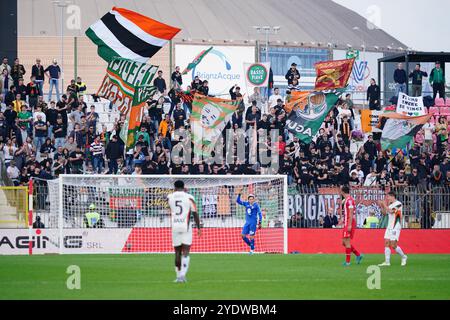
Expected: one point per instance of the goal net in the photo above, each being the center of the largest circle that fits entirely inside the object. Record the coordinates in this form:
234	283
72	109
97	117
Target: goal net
135	217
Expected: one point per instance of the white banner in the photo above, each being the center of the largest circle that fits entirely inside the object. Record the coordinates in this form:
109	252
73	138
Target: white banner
257	74
222	66
410	106
45	241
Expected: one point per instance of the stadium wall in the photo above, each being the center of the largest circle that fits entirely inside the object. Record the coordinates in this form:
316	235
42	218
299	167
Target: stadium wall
137	240
90	67
435	241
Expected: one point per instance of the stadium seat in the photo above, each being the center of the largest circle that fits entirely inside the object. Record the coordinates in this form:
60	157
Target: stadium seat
445	111
447	102
439	102
434	111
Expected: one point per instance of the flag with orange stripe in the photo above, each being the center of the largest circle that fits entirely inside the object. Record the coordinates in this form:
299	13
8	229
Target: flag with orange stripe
128	34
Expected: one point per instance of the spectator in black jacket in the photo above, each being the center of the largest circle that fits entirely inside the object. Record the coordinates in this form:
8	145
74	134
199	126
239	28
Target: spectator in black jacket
160	83
400	79
330	220
179	116
235	92
371	148
177	80
196	83
417	76
33	92
38	72
38	224
292	74
373	95
204	89
10	96
17	72
21	89
114	151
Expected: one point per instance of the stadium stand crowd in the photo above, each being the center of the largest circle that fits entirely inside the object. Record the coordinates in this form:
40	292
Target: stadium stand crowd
43	138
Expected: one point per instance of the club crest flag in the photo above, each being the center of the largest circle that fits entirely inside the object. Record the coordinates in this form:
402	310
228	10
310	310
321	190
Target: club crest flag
196	61
257	74
399	130
122	78
128	34
296	100
305	121
333	74
410	106
208	119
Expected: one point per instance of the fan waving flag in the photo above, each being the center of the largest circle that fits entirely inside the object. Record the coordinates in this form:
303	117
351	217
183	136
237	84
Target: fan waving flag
333	74
298	99
196	61
399	130
141	95
128	34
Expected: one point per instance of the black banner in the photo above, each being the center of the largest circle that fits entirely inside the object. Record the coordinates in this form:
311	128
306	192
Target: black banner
8	30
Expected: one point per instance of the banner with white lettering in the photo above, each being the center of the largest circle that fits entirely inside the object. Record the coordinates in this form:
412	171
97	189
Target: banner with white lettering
312	206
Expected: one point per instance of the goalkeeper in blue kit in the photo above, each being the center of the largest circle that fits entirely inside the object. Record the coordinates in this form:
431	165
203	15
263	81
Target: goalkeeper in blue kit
253	218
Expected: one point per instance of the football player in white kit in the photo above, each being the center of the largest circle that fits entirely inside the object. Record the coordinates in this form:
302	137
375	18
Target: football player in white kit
392	234
182	205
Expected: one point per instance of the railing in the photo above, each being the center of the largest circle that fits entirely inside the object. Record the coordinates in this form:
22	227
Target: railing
422	208
13	207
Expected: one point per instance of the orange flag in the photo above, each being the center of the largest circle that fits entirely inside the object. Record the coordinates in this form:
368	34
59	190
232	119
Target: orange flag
297	100
333	74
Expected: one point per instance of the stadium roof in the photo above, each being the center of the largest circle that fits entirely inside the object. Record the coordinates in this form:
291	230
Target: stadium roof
307	21
418	57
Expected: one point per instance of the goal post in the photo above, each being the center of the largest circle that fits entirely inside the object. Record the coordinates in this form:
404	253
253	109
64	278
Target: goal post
135	218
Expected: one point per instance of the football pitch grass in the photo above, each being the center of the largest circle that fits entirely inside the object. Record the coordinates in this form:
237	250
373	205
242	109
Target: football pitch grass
223	276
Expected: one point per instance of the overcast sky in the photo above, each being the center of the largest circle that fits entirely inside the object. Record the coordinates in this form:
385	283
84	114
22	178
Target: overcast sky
421	24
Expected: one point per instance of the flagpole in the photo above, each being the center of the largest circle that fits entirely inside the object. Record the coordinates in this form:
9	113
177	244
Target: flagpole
170	61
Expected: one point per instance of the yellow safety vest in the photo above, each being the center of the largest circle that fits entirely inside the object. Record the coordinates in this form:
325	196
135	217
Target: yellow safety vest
371	222
92	218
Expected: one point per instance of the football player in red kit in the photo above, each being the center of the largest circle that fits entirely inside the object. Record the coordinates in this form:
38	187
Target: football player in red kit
349	222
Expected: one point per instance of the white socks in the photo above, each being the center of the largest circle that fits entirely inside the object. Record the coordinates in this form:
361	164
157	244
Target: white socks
400	251
387	254
178	272
184	265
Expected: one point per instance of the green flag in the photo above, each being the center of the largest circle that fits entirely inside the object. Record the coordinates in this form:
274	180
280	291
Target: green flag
399	130
306	119
196	61
208	119
141	95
